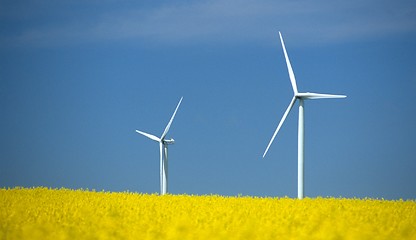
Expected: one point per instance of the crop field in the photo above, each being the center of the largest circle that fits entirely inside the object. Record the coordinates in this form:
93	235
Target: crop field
42	213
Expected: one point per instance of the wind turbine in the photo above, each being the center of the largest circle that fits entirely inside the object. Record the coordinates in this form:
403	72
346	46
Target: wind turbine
301	129
163	146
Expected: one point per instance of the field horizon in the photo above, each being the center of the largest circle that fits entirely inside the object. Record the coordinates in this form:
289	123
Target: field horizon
239	195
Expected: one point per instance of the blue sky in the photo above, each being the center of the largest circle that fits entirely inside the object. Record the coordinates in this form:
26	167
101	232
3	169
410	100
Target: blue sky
77	78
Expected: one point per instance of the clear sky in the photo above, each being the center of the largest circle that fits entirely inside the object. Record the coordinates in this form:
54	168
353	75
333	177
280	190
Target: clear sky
77	78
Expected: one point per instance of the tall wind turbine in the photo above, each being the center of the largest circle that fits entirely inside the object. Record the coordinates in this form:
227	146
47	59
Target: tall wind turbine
163	146
301	129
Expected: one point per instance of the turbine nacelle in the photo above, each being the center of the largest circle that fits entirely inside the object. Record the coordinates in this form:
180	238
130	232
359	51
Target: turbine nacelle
168	141
154	138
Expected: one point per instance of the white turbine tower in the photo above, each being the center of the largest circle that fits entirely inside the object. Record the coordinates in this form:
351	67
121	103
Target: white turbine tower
301	130
163	145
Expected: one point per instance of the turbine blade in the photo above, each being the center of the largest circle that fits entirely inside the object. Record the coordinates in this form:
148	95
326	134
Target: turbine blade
153	137
318	95
289	67
171	120
280	124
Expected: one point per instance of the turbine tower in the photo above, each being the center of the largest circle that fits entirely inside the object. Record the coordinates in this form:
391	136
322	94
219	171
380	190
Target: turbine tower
298	96
163	146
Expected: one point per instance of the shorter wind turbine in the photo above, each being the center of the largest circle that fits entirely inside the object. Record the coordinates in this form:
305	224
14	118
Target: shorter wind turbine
163	146
301	129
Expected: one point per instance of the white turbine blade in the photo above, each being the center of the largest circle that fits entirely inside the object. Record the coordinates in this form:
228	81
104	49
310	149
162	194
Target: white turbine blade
318	95
280	124
153	137
171	120
289	67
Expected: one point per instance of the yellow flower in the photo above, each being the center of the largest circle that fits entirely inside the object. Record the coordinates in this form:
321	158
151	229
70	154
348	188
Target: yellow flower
42	213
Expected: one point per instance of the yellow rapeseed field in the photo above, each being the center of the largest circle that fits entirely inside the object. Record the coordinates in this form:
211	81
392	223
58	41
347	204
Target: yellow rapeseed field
41	213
